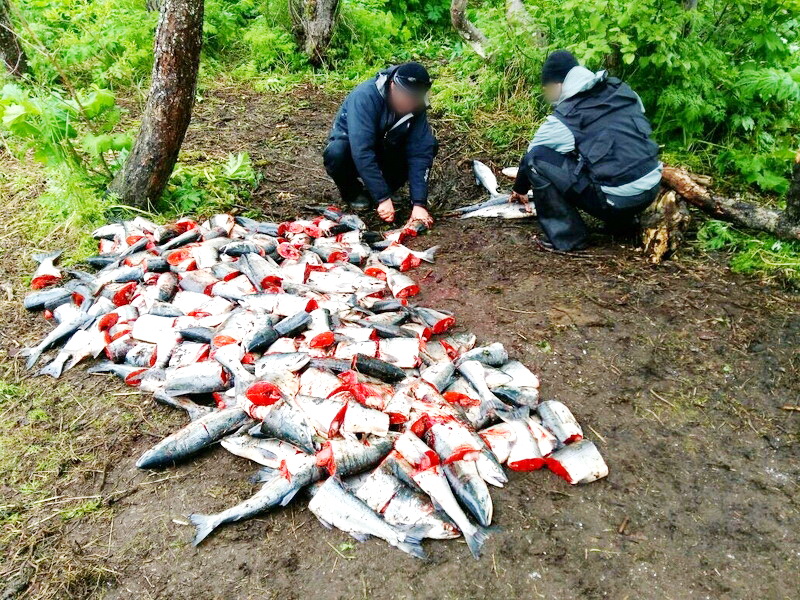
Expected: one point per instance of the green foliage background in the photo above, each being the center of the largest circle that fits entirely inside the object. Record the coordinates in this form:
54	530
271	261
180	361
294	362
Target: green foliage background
721	83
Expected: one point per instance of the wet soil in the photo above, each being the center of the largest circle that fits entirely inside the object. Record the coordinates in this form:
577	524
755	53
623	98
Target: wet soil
677	372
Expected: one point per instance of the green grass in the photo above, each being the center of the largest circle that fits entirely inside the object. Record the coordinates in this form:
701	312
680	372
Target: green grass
758	254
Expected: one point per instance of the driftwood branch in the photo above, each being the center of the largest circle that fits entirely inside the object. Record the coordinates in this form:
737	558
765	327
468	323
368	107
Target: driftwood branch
466	29
736	210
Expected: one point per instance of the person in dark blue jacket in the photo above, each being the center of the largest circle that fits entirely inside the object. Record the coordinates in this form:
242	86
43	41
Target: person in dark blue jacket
380	139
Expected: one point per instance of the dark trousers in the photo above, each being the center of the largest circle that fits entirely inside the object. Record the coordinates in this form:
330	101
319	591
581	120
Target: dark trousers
339	164
559	191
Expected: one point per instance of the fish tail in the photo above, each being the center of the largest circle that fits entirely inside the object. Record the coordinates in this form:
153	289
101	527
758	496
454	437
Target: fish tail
429	254
412	543
204	525
33	356
476	539
263	475
53	369
40	257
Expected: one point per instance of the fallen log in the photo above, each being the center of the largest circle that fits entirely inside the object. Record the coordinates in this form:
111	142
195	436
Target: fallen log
736	210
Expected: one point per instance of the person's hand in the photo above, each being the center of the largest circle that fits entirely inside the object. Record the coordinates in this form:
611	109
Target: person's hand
386	210
421	214
522	199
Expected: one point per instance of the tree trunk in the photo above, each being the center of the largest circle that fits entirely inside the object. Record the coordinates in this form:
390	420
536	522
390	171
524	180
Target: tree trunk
154	5
518	17
793	196
690	4
736	210
312	23
466	29
169	105
11	53
663	226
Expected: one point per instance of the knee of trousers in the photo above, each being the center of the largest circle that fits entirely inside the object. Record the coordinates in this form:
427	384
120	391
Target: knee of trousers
336	155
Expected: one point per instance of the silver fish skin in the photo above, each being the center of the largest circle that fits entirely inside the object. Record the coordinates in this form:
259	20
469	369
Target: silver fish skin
579	462
350	456
470	489
334	506
192	438
493	355
288	423
277	491
473	372
500	208
400	505
65	329
558	419
485	176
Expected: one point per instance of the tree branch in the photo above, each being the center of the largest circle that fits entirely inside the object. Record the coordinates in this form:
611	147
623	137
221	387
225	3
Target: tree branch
466	29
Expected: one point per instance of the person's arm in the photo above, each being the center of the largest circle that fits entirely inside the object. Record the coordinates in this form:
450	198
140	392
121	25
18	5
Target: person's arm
552	134
421	149
362	133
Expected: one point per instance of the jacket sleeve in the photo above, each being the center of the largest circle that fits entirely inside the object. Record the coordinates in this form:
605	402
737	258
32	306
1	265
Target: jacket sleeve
553	134
421	149
363	136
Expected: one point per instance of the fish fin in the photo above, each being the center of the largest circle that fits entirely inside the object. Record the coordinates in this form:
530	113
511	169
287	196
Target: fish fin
515	414
325	524
476	540
53	369
40	257
195	411
255	431
360	537
413	547
288	497
263	475
105	366
204	525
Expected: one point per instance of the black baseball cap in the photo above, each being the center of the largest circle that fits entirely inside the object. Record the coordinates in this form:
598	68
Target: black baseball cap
413	78
557	65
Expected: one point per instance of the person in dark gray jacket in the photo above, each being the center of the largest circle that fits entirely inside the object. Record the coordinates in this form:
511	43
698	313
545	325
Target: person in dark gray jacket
594	153
380	139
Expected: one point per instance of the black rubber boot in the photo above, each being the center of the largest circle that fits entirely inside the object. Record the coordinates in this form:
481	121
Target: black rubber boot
560	221
361	202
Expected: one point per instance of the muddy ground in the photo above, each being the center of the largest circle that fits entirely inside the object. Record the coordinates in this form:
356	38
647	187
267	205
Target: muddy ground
677	372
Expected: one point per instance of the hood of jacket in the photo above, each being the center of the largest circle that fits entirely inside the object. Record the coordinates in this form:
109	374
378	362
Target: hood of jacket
579	79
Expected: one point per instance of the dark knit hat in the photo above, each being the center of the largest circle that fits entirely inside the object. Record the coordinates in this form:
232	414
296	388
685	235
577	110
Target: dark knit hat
557	65
413	78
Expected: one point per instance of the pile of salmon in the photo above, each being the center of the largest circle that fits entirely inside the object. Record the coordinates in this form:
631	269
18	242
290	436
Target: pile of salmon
296	346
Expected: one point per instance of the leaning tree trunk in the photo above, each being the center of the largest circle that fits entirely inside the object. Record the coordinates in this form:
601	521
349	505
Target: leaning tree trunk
169	104
793	197
466	29
11	53
519	18
745	214
312	23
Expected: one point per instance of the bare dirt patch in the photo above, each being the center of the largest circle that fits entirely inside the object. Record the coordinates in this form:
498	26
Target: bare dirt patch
678	372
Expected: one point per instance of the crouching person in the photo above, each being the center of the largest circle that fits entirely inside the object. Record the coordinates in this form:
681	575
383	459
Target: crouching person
380	139
594	153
